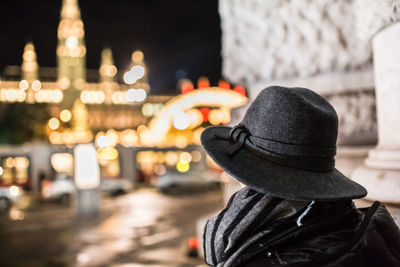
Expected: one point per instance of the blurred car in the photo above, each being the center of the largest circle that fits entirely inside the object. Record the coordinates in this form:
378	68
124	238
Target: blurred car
61	189
193	181
8	196
115	187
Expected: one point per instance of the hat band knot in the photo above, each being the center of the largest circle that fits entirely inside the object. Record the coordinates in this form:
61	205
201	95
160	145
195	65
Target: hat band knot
287	154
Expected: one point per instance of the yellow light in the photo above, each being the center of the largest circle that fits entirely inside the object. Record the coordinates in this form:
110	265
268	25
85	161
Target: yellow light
9	163
182	166
108	153
36	85
185	157
23	85
1	171
65	115
54	123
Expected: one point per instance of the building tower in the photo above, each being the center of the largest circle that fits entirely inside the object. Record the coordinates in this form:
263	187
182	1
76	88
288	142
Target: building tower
138	60
71	51
30	67
137	76
107	73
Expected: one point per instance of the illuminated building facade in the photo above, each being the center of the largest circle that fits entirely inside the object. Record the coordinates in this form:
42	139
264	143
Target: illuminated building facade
90	105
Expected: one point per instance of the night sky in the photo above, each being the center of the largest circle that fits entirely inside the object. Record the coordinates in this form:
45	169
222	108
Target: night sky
179	37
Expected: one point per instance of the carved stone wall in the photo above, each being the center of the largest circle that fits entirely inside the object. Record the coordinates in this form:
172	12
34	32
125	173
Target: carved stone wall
324	45
357	117
276	39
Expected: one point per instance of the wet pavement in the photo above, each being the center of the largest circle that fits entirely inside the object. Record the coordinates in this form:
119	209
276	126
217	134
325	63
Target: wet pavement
143	228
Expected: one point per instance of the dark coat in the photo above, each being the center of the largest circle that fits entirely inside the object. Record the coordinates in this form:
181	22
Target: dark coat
373	241
330	234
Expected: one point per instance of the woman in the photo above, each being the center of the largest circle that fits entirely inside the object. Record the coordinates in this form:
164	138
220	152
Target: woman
296	208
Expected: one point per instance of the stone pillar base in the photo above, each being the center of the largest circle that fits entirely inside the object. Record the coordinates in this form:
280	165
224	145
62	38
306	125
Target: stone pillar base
380	175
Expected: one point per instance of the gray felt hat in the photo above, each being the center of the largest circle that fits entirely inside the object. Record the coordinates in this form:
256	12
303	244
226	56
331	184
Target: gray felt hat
284	147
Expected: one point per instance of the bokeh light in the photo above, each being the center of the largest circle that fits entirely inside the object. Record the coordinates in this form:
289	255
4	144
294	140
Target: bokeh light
54	123
24	85
182	166
185	157
36	85
65	115
181	121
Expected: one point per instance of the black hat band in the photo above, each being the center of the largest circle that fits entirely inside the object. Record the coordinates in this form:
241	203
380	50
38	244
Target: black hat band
290	155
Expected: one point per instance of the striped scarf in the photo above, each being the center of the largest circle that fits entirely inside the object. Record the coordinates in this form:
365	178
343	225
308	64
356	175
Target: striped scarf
240	225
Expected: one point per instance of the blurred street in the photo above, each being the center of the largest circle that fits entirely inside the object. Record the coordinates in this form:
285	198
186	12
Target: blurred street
143	228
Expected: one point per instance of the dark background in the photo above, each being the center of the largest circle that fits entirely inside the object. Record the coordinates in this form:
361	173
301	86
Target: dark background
180	39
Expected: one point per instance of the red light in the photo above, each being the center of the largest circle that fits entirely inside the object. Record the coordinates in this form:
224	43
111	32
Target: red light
205	112
224	84
193	243
240	89
203	82
187	87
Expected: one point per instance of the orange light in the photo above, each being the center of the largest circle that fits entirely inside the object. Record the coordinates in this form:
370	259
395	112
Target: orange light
203	82
240	89
205	112
193	243
224	84
186	87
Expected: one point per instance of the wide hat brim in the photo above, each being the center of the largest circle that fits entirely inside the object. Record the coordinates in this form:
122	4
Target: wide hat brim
277	180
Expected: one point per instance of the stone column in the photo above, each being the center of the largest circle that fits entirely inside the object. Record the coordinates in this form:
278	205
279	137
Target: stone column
380	173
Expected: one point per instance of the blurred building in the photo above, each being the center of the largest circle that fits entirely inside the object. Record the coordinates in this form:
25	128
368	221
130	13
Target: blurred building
133	131
345	51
